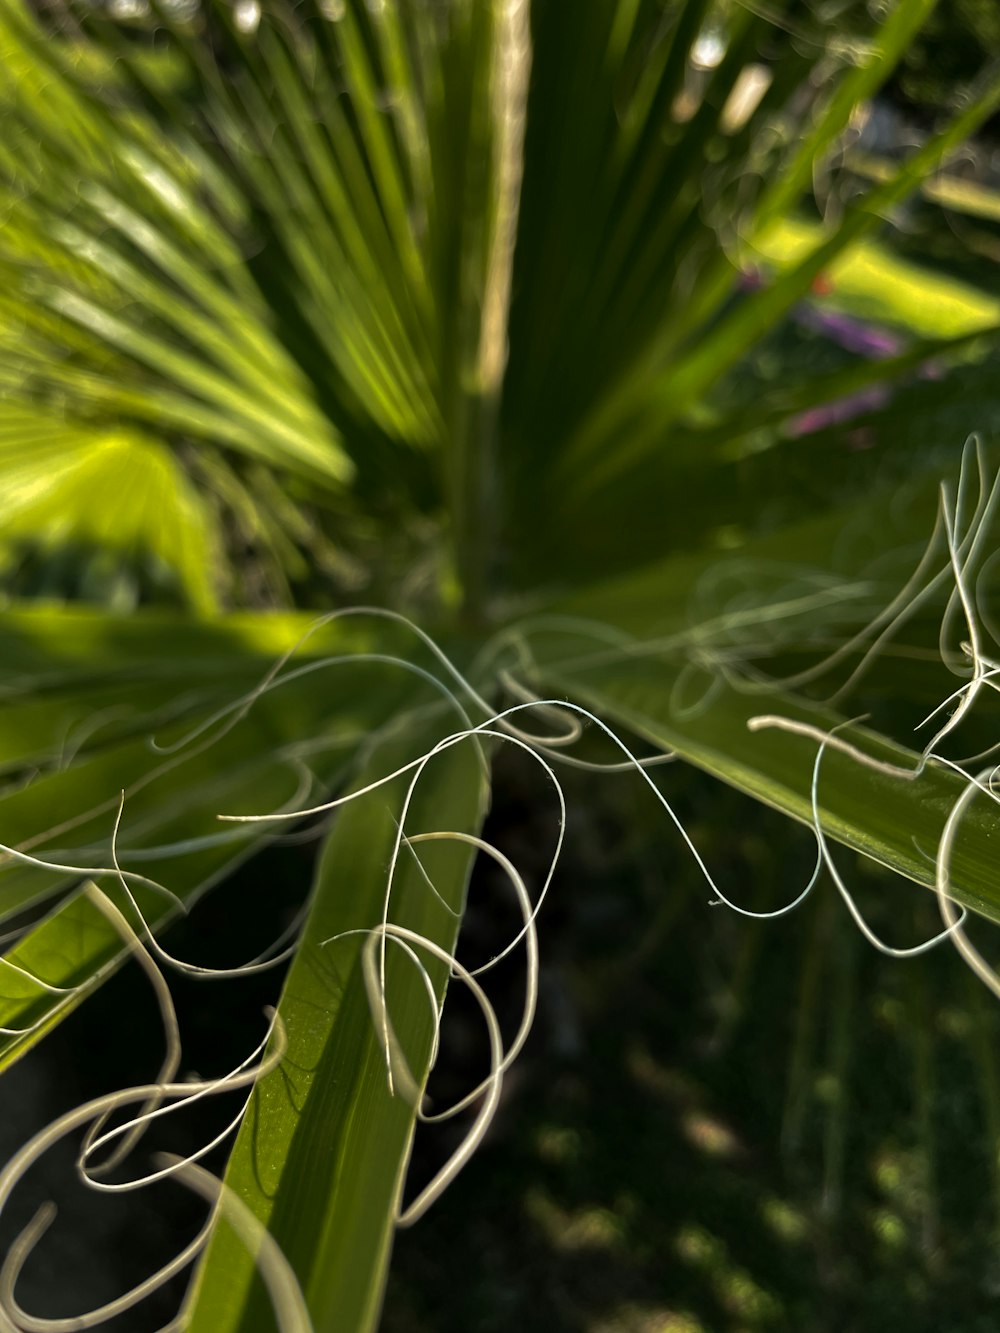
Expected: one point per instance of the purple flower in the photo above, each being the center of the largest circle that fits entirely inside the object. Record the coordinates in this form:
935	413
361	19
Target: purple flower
842	409
863	339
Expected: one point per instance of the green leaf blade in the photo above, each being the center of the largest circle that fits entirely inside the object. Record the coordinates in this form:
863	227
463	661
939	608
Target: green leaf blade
321	1154
872	812
169	830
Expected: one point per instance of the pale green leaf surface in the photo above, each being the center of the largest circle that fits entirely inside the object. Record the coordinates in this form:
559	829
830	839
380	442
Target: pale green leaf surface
872	283
200	329
76	489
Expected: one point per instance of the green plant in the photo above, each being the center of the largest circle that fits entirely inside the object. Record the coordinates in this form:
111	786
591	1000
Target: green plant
468	309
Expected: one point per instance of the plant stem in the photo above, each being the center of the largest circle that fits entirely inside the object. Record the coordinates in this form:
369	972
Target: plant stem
477	482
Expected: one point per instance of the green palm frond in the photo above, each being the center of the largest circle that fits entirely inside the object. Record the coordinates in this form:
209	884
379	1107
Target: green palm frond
471	303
